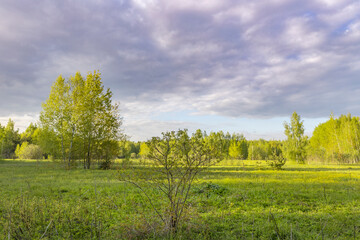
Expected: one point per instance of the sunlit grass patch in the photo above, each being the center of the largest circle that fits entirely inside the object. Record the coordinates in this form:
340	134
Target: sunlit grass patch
231	200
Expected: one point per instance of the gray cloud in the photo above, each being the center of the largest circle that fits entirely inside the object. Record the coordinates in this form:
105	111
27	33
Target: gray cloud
222	57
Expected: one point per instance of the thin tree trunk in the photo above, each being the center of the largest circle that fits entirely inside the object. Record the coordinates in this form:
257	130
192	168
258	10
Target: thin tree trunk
88	153
84	156
71	143
62	149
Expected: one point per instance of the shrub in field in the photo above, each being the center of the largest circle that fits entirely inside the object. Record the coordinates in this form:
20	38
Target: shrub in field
28	151
276	159
277	162
177	159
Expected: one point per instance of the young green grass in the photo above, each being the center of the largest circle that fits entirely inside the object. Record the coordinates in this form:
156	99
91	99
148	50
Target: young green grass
233	200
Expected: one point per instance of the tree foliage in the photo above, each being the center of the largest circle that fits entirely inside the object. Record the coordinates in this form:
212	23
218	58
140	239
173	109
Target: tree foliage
238	147
9	139
28	151
144	150
30	134
338	139
81	120
296	140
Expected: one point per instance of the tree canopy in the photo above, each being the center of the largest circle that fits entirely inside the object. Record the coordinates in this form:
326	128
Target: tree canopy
337	139
80	118
296	140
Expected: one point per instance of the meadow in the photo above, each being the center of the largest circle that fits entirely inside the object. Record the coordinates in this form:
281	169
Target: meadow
235	199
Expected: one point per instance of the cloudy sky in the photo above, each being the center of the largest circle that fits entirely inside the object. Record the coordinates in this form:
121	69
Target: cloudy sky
231	65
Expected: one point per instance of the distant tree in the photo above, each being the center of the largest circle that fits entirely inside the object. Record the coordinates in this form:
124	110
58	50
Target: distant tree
19	148
144	150
234	150
125	149
296	141
107	151
257	150
10	139
238	148
274	149
28	134
177	159
49	142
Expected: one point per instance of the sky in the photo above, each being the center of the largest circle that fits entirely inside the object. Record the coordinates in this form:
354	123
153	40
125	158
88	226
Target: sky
232	65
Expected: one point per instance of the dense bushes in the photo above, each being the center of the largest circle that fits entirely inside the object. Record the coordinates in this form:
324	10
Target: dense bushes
28	151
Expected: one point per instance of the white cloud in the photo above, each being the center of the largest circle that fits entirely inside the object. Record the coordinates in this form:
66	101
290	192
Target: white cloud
199	5
218	57
340	14
332	3
21	121
243	14
299	34
352	32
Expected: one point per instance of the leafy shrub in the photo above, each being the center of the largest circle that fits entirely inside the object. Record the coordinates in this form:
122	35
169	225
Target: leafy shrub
29	151
277	162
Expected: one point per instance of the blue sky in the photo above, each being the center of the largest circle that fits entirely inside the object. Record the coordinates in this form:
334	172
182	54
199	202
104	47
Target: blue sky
237	66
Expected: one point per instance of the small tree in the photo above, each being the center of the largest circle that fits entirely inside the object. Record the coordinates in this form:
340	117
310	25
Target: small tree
176	160
238	149
144	150
275	159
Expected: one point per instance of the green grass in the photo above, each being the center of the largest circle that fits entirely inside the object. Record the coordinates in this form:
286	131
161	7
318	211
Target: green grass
233	200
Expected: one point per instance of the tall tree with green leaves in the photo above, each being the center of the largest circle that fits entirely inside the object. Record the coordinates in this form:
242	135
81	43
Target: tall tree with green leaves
100	121
28	134
10	140
55	115
338	139
296	140
238	148
144	150
81	115
76	89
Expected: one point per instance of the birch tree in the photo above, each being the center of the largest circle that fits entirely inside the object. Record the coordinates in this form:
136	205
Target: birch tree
55	113
296	141
81	115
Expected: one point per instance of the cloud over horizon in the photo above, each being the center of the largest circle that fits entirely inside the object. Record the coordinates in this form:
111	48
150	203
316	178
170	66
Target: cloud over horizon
235	59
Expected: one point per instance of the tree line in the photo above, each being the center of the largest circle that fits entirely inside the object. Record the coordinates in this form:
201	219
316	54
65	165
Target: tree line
336	140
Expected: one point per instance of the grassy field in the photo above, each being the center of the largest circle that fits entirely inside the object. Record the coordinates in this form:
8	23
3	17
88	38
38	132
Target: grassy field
234	200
